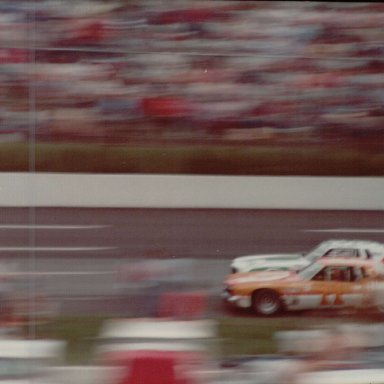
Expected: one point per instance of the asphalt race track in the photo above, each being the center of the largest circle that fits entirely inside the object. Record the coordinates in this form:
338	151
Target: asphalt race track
200	233
76	252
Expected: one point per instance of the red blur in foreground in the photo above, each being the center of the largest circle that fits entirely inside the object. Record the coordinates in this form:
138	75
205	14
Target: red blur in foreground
155	367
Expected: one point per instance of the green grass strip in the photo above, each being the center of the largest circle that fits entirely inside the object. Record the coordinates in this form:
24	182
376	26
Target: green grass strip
194	160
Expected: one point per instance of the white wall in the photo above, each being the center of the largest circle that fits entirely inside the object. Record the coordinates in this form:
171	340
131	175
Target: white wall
180	191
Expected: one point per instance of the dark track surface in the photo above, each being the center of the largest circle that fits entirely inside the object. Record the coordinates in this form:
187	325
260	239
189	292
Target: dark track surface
200	233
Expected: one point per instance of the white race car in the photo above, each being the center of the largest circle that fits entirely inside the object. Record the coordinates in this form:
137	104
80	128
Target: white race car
362	249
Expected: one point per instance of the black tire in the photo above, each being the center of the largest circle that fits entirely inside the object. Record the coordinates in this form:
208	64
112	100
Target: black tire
266	302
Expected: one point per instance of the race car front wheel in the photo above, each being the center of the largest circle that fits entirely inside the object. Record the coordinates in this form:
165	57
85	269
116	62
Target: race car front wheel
266	302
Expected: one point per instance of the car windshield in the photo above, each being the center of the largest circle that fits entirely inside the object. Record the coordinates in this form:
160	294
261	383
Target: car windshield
316	253
308	272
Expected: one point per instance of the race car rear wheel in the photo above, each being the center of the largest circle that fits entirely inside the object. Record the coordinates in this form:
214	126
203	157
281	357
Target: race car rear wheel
266	302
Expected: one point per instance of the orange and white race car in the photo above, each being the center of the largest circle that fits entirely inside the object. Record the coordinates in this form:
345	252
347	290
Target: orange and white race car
327	283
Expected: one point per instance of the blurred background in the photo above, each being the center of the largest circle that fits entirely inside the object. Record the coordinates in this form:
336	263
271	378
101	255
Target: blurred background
191	72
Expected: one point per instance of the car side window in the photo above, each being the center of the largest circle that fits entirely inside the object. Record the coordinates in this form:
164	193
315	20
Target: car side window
336	274
341	252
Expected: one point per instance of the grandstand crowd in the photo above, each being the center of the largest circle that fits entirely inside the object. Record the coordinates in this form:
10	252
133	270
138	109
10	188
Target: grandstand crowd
121	71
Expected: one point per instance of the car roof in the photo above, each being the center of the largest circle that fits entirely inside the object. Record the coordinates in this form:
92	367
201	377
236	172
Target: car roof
368	244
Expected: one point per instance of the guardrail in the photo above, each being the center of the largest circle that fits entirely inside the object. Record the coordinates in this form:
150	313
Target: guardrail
183	191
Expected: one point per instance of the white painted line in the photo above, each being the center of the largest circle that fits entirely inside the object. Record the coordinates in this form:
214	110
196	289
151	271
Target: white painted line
348	230
57	273
32	226
55	249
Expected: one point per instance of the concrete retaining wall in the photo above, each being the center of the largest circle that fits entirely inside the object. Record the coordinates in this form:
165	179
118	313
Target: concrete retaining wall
181	191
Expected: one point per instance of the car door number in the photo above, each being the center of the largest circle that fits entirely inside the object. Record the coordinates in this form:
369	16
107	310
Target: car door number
331	299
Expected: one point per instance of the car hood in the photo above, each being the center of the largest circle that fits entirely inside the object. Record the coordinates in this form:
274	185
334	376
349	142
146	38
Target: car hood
289	261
